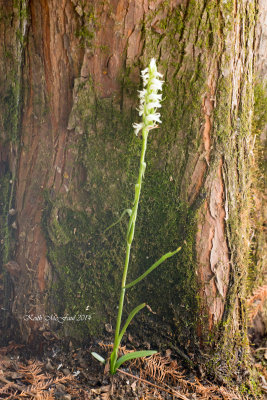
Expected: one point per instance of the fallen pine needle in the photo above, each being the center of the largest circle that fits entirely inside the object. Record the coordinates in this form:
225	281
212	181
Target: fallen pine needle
173	393
18	387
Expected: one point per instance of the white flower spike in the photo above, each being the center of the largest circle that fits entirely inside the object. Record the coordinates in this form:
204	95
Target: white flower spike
149	99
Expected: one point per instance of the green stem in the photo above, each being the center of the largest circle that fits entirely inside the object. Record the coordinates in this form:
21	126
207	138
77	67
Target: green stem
130	236
118	324
142	167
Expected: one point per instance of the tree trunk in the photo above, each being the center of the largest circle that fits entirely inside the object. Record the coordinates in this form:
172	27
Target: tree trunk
68	164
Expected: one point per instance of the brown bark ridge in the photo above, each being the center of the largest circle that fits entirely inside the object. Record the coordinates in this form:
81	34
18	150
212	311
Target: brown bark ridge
259	190
78	61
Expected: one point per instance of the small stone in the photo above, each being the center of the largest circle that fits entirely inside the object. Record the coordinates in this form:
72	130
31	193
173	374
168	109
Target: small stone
108	328
66	371
60	387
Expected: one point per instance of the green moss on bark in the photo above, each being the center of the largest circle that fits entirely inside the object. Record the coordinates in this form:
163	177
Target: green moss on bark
5	188
10	98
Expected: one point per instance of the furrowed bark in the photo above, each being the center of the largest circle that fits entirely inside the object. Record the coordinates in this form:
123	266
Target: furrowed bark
73	161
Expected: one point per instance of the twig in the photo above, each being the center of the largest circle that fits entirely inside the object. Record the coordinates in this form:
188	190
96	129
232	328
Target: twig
174	393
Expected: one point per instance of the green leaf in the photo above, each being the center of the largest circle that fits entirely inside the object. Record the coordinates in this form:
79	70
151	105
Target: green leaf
130	317
98	357
127	211
131	356
155	265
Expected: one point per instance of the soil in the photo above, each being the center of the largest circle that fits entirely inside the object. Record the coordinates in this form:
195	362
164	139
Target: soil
62	370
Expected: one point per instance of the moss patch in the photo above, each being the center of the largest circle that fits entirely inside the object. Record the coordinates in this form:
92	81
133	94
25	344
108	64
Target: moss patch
12	54
5	187
7	245
11	112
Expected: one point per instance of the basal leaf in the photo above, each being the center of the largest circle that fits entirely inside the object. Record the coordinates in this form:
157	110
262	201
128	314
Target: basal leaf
131	356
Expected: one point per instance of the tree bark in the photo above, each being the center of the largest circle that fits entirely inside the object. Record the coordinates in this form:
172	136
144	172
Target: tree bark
69	79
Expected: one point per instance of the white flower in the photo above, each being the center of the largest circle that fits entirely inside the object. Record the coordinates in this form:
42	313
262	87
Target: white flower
156	104
145	71
149	98
154	117
137	127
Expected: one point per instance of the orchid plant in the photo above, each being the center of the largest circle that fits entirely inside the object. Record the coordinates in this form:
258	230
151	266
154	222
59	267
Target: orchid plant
150	102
